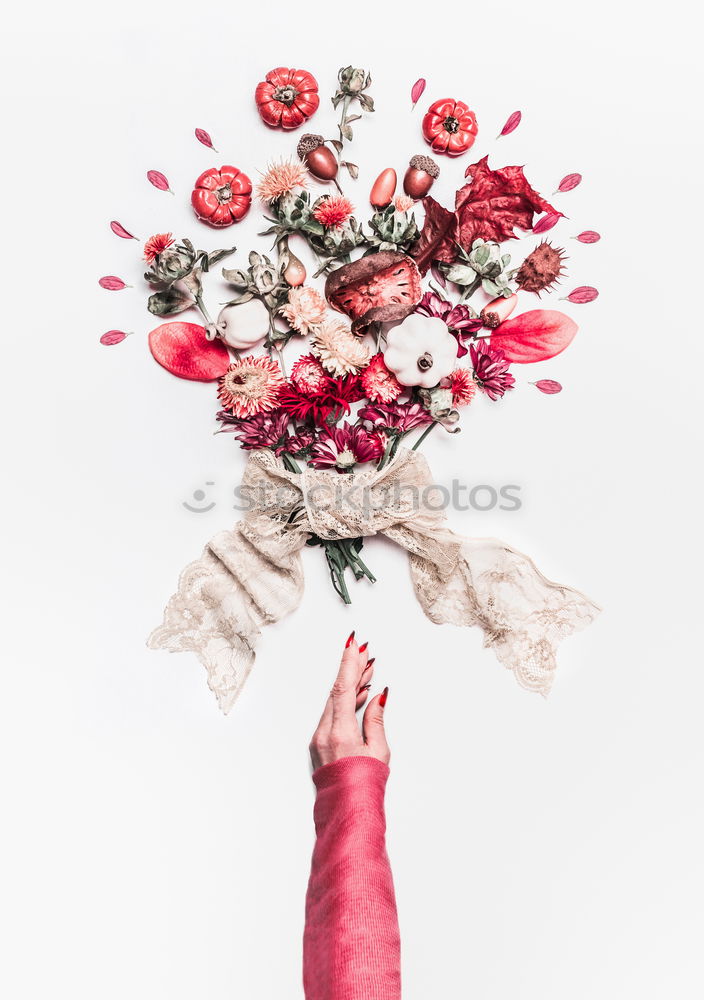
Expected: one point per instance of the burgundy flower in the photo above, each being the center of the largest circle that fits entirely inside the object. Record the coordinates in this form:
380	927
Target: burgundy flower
457	318
265	430
324	407
491	369
396	418
342	447
299	444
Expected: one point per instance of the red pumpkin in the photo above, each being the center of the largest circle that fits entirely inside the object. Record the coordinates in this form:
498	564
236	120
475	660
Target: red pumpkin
221	197
287	98
184	350
450	127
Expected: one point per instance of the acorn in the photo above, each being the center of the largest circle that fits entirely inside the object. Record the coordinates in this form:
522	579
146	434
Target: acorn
383	189
420	176
317	157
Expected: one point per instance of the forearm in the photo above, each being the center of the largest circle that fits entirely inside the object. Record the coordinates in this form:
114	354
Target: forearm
351	946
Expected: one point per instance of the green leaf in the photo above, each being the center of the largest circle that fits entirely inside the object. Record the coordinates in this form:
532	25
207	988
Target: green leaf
169	303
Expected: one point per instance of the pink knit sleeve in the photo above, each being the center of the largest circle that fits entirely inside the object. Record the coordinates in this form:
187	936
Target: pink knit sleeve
351	943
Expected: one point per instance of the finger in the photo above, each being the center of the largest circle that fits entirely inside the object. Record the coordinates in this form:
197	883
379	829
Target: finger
344	690
367	674
373	726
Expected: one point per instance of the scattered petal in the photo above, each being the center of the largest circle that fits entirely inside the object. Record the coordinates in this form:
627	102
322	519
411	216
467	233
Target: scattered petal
202	136
546	222
534	336
569	182
119	230
417	91
585	293
588	236
512	123
548	386
112	283
113	337
156	178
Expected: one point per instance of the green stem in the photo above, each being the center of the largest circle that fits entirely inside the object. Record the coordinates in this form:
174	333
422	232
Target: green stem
290	463
423	436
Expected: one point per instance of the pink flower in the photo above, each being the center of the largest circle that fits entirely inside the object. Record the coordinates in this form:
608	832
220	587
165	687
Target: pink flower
299	443
280	178
462	386
265	430
305	309
457	318
379	384
398	418
157	244
343	446
333	211
251	386
491	369
308	375
402	203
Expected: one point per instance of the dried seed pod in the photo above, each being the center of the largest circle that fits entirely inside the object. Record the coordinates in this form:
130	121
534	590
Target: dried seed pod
319	159
384	188
541	269
295	271
496	311
420	176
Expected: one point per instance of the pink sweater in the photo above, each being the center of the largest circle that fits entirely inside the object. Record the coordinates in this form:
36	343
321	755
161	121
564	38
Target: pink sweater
351	943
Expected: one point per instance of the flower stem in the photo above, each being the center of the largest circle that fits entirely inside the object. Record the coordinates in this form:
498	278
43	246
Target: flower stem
423	436
290	462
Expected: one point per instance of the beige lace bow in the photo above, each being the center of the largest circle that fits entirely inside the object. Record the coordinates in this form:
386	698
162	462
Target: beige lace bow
253	575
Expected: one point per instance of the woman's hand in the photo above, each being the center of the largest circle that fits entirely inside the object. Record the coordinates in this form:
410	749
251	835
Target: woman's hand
338	733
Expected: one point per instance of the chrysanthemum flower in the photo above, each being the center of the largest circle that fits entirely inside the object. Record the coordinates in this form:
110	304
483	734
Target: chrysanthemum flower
280	178
395	417
265	430
299	443
333	211
251	386
491	369
337	349
305	309
457	318
308	375
323	407
156	244
379	384
462	386
402	203
343	446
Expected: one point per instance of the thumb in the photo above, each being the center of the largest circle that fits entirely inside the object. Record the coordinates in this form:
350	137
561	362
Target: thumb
373	727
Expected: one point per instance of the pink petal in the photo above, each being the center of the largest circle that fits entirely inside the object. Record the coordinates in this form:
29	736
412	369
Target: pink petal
417	91
112	284
569	182
202	136
585	293
156	178
546	222
534	336
119	230
113	337
548	386
512	123
588	236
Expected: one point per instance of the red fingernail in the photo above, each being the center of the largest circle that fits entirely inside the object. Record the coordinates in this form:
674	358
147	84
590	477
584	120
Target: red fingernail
350	640
363	647
383	696
369	663
365	687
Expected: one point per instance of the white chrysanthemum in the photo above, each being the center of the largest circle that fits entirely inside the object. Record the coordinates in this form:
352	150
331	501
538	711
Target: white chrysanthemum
338	350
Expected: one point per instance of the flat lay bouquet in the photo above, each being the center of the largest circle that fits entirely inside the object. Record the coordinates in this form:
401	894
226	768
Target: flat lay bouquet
332	380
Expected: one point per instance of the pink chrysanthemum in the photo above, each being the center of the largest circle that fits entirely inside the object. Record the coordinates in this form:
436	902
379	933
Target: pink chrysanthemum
491	369
280	178
402	203
265	430
308	375
398	418
333	211
462	386
305	309
251	386
379	384
343	446
157	244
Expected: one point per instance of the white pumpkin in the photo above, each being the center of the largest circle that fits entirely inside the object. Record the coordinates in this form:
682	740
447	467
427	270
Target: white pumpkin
420	351
243	326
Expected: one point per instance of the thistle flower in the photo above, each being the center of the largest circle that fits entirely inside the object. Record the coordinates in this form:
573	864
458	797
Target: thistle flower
333	211
342	447
337	349
281	178
157	244
491	369
308	375
379	384
251	386
305	309
402	203
462	386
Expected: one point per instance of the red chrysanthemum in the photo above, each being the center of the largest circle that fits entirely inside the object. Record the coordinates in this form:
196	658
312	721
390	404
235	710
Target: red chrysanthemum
325	406
333	211
491	369
157	244
379	384
251	386
309	376
462	385
342	447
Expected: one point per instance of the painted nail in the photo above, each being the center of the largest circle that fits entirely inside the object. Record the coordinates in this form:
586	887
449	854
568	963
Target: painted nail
350	640
363	647
369	663
365	687
382	697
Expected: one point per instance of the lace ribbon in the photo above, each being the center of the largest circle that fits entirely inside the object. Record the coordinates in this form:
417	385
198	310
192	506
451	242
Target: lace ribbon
253	575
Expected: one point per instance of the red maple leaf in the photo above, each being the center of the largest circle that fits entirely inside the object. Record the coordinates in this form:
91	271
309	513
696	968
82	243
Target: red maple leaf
494	202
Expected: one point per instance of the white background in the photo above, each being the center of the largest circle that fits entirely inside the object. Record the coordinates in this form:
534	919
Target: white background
542	849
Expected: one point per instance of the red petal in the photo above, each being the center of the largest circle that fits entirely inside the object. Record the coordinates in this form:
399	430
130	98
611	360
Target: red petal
184	350
585	293
512	123
534	336
417	91
588	236
158	180
119	230
548	386
202	136
113	337
111	283
569	182
546	222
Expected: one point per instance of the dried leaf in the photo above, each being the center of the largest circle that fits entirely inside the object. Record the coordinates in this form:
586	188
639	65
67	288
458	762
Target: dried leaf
548	386
438	238
438	276
546	222
534	336
569	182
112	284
156	178
588	236
417	91
585	293
512	123
353	170
113	337
119	230
202	136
